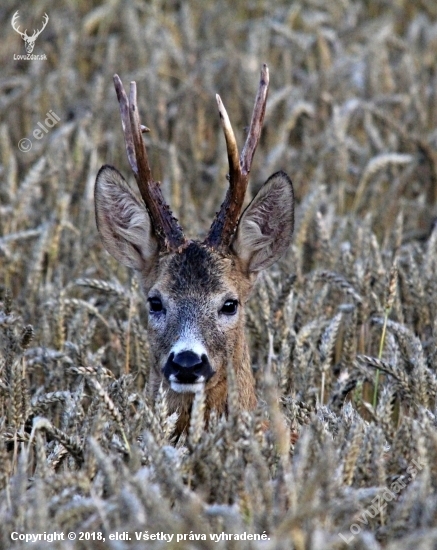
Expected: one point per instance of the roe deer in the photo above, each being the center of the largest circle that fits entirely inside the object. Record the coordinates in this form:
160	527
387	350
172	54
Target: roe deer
196	291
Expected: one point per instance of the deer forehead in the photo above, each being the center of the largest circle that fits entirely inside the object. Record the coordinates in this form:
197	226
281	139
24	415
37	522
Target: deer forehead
198	271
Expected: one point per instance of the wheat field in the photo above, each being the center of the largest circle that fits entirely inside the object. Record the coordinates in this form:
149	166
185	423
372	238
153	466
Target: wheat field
342	330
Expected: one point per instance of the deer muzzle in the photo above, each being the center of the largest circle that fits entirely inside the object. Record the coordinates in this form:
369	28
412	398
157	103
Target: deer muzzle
187	371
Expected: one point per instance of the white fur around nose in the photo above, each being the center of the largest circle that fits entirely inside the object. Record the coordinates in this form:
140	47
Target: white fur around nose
189	344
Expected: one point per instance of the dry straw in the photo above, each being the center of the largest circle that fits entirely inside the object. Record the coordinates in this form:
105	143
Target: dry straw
342	330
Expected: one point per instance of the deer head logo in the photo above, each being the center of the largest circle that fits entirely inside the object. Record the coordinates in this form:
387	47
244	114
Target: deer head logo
29	41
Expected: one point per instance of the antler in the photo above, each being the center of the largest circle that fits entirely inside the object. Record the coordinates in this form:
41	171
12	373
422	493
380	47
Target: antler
14	20
37	33
225	221
167	229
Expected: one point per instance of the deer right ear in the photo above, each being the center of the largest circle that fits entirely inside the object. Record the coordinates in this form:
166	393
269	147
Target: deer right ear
122	221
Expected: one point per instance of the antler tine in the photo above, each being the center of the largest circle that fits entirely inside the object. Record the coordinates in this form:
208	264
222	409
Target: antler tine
36	32
14	24
143	168
125	122
256	123
226	220
231	142
166	227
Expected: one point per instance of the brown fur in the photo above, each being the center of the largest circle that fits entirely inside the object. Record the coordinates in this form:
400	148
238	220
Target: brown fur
188	279
194	283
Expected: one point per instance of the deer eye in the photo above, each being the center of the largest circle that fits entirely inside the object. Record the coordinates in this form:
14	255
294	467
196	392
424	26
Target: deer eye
229	307
155	304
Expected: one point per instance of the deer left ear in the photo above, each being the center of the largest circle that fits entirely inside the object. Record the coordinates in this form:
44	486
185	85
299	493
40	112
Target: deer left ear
266	226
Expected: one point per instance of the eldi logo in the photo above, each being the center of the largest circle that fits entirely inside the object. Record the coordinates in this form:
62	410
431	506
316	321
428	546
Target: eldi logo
29	41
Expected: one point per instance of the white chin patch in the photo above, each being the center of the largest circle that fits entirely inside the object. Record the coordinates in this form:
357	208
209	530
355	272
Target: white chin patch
186	388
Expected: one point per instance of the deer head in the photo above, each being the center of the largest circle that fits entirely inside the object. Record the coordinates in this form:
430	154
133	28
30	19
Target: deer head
196	291
29	41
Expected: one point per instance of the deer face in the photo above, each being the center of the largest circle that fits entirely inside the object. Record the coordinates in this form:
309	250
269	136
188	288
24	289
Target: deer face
195	296
195	291
196	303
29	44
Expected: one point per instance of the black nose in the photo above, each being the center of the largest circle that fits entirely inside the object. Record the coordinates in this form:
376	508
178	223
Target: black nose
187	359
186	367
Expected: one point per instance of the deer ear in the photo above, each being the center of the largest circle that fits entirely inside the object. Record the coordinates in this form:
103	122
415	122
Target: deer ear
266	226
122	221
